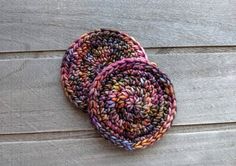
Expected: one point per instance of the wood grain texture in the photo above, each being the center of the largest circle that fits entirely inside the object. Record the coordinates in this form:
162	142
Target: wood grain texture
54	24
200	148
32	100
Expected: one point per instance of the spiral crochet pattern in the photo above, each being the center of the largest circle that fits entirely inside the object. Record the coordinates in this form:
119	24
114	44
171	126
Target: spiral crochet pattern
88	55
132	103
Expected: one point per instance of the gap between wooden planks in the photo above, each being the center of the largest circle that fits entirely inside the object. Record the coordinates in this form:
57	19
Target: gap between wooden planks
86	134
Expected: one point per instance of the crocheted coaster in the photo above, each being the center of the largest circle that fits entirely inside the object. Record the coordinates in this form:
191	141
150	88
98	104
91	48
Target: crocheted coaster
132	103
88	55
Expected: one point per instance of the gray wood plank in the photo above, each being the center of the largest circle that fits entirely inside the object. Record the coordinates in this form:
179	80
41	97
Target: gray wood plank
48	25
200	148
32	100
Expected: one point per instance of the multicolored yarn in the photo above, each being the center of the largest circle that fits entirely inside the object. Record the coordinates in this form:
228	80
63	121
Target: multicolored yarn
88	55
132	103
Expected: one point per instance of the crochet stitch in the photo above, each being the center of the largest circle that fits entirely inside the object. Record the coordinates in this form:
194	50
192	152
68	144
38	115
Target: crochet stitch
132	103
88	55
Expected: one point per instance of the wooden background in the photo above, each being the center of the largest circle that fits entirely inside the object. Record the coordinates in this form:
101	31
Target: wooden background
194	42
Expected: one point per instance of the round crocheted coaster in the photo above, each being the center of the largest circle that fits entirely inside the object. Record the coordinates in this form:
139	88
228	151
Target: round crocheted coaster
88	55
132	103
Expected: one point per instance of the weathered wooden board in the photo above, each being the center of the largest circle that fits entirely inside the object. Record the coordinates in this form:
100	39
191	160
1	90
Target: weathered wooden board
54	24
200	148
32	100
